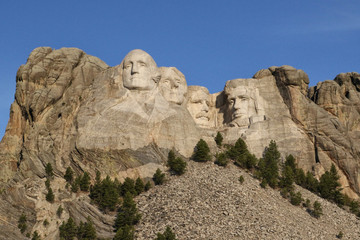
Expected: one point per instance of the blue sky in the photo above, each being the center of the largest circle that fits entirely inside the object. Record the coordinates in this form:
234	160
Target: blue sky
209	41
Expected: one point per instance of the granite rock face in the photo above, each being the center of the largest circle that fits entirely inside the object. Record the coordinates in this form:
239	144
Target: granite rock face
71	109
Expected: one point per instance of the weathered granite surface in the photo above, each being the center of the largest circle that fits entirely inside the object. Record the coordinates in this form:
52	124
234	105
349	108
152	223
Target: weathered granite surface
71	109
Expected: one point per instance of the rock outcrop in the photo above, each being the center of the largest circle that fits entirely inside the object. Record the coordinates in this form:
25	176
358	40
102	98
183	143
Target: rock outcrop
71	109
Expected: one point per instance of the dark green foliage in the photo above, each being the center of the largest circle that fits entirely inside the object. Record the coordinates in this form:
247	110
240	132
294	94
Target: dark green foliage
221	159
139	186
287	179
86	231
176	164
311	183
268	165
201	152
147	186
317	211
49	170
105	194
98	176
218	139
47	183
290	162
68	230
128	213
354	207
263	183
75	185
128	186
22	223
59	211
46	223
69	175
241	155
158	177
340	235
167	235
241	179
35	236
300	178
50	196
329	187
295	198
307	203
125	233
85	182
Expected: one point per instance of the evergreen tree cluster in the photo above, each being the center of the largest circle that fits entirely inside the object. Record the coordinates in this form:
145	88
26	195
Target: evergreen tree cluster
241	156
81	182
176	164
105	193
85	231
127	217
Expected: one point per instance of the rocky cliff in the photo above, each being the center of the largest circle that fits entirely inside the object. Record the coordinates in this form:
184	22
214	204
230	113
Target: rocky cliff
71	109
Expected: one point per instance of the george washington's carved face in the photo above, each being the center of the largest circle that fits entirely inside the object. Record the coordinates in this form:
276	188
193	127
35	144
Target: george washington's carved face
172	85
139	71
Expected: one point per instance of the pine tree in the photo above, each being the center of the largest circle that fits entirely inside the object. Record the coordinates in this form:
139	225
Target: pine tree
49	170
69	174
177	165
317	211
105	194
218	139
158	177
128	186
268	165
50	196
35	236
68	230
287	179
125	233
139	186
147	186
85	182
221	159
167	235
86	231
311	183
59	211
22	223
202	152
128	213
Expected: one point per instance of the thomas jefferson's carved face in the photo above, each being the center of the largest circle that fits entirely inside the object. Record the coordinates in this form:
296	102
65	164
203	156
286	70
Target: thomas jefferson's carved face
198	106
139	70
240	106
173	85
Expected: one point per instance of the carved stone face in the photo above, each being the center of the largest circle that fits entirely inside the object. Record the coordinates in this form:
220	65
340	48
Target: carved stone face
173	85
139	70
198	105
241	105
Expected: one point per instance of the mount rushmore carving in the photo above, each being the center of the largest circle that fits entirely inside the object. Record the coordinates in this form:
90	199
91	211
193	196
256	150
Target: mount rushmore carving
71	109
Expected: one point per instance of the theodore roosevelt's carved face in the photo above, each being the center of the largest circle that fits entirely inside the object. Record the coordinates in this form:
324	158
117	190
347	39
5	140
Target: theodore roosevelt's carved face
198	105
172	85
139	71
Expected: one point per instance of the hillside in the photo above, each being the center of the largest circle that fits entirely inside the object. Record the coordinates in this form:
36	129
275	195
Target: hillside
208	202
